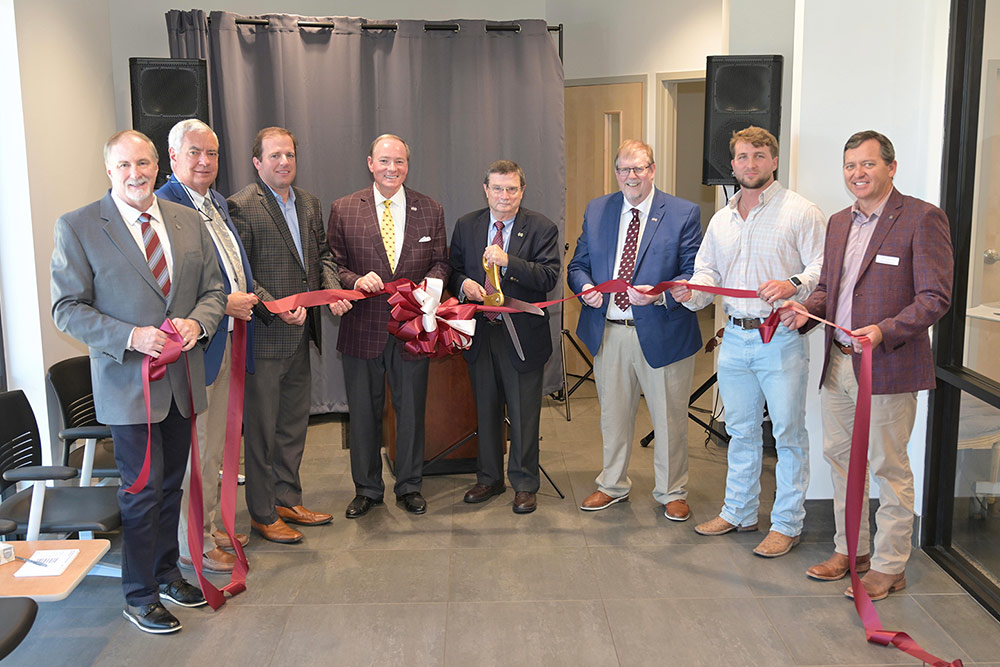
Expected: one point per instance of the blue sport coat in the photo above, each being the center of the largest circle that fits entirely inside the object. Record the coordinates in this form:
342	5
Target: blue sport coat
667	249
173	191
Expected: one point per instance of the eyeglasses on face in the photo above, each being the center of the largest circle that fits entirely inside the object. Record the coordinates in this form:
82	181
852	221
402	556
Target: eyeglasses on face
638	171
510	190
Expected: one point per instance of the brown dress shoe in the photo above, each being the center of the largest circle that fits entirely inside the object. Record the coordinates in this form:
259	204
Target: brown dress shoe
836	567
215	560
879	584
677	510
525	502
222	540
775	544
302	516
719	526
277	532
483	492
599	500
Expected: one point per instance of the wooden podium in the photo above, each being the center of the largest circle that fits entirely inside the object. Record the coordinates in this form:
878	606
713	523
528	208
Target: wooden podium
450	419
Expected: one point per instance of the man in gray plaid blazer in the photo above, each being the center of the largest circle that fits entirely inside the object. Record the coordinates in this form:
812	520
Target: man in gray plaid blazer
887	275
379	234
282	231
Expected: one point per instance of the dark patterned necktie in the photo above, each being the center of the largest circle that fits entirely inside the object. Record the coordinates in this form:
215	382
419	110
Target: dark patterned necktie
627	266
154	254
497	241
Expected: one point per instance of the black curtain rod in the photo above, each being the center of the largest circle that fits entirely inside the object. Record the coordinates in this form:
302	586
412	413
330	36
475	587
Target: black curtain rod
453	27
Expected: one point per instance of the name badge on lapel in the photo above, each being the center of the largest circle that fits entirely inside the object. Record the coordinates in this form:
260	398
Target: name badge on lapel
887	259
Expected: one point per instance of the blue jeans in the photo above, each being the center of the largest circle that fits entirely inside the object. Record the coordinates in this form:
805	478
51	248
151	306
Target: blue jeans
751	373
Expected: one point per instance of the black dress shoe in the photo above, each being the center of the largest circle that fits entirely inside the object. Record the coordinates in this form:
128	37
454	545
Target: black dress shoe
182	593
524	502
483	492
413	503
360	506
152	617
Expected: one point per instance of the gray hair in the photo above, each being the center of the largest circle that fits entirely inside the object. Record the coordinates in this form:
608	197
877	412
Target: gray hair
383	137
118	136
177	133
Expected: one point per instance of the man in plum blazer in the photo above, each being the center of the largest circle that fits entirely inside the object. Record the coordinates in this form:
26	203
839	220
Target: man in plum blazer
379	234
639	341
888	276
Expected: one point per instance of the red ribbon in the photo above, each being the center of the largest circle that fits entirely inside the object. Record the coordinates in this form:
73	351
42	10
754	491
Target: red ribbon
406	323
856	472
155	369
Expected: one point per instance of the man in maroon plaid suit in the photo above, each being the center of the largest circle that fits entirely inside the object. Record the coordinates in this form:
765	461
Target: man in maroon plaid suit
887	275
379	234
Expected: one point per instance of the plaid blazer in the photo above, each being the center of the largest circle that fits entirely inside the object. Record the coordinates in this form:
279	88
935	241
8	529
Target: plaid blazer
904	286
356	243
277	271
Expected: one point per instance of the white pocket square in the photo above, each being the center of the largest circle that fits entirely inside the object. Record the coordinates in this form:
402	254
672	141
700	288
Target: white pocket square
424	239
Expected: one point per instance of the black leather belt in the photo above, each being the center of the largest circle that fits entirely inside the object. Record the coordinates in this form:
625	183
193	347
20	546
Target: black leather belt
624	323
747	322
844	349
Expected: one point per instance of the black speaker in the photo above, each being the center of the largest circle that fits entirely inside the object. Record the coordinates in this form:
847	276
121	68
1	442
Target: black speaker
164	92
740	91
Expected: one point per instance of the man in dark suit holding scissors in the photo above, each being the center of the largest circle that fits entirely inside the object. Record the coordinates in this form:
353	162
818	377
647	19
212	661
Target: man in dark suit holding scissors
525	245
379	234
887	275
282	230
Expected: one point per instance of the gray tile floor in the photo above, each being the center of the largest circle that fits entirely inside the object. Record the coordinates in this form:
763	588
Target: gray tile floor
479	585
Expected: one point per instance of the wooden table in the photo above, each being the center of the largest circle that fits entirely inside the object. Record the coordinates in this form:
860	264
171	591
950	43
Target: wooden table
46	589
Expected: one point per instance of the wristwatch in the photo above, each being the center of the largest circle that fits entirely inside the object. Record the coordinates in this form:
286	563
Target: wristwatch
795	281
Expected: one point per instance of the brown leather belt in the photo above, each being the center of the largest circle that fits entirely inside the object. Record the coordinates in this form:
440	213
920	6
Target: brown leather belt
747	322
844	349
624	323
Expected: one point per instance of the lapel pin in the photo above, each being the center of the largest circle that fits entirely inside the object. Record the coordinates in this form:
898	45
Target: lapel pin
413	208
520	234
653	219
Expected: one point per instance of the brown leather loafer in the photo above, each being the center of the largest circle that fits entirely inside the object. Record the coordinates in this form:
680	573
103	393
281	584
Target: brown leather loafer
599	500
302	516
775	544
879	584
277	532
215	560
719	526
222	540
836	567
525	502
483	492
677	510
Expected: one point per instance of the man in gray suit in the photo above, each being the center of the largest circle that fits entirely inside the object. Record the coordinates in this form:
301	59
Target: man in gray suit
282	231
120	266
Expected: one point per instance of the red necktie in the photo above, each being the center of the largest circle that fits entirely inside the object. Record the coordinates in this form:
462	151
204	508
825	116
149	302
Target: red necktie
498	241
154	254
627	265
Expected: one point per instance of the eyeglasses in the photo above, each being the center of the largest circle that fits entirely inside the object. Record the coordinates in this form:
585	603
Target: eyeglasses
638	171
499	190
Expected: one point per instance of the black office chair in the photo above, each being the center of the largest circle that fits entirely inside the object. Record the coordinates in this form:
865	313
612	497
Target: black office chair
17	615
69	384
59	509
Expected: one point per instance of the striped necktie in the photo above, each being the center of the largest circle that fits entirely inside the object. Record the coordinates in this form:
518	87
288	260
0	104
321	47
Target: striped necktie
154	254
497	240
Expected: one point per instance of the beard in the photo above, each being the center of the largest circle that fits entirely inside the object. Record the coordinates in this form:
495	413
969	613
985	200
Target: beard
756	183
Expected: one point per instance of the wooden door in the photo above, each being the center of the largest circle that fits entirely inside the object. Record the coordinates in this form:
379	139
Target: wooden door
598	118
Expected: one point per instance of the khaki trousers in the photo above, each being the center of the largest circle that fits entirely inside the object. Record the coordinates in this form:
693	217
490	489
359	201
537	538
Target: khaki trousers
621	372
892	419
211	443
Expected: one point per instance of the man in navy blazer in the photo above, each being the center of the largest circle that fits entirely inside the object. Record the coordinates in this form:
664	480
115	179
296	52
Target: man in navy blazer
194	160
525	244
639	342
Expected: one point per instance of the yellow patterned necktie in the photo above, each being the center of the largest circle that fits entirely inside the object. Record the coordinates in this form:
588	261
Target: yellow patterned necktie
389	235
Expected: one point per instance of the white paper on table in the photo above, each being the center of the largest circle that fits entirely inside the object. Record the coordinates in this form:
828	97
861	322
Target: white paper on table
56	561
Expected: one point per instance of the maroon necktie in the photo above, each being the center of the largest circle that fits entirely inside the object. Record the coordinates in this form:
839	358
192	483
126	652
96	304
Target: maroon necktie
154	254
497	241
627	266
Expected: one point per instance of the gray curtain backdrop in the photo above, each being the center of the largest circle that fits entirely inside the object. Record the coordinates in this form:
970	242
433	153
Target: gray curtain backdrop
461	99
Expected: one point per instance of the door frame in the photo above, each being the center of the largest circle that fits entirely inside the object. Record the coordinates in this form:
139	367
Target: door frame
666	125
